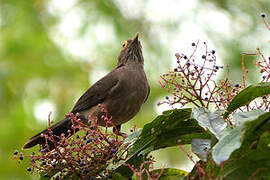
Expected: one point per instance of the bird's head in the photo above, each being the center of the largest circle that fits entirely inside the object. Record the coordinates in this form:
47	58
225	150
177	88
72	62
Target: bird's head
131	52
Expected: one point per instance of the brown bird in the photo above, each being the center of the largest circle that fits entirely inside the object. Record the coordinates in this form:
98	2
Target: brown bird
122	92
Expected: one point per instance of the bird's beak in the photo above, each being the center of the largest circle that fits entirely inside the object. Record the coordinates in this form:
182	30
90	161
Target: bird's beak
136	38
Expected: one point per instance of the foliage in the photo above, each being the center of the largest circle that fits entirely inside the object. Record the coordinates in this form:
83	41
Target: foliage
228	130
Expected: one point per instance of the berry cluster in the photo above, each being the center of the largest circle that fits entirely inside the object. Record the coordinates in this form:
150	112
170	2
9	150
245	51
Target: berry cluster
86	154
195	83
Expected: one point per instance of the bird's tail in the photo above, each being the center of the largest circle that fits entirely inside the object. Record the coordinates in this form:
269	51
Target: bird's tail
57	129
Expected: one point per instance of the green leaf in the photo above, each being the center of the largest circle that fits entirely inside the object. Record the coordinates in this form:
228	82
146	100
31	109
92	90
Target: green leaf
241	117
244	135
118	176
169	129
254	131
168	174
211	121
247	95
253	165
159	126
226	145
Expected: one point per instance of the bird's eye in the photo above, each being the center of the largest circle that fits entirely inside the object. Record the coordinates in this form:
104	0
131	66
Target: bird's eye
124	45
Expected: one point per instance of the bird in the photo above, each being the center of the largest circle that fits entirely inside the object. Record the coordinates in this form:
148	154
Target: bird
122	91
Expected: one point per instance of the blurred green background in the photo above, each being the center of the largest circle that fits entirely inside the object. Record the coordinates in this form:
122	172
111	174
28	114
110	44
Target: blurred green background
52	51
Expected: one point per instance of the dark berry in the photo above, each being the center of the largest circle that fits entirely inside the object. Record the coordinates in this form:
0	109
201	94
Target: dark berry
185	57
92	128
217	68
46	175
21	157
264	97
203	56
28	169
89	140
193	44
175	69
77	136
236	85
81	164
113	150
167	97
264	77
206	98
213	51
55	154
42	151
92	177
196	67
43	163
16	152
263	15
188	64
54	165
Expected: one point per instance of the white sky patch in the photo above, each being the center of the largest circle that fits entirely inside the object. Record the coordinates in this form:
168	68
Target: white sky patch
42	109
60	7
66	35
131	9
71	23
170	10
215	20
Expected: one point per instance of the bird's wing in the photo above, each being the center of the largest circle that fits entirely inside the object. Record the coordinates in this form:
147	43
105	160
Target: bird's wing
96	93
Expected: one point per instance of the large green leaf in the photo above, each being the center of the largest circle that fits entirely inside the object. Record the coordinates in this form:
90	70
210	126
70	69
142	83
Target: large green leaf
244	149
239	136
169	129
227	144
256	133
253	165
210	121
247	95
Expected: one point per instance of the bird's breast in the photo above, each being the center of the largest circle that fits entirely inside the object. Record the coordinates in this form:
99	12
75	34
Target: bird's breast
131	95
